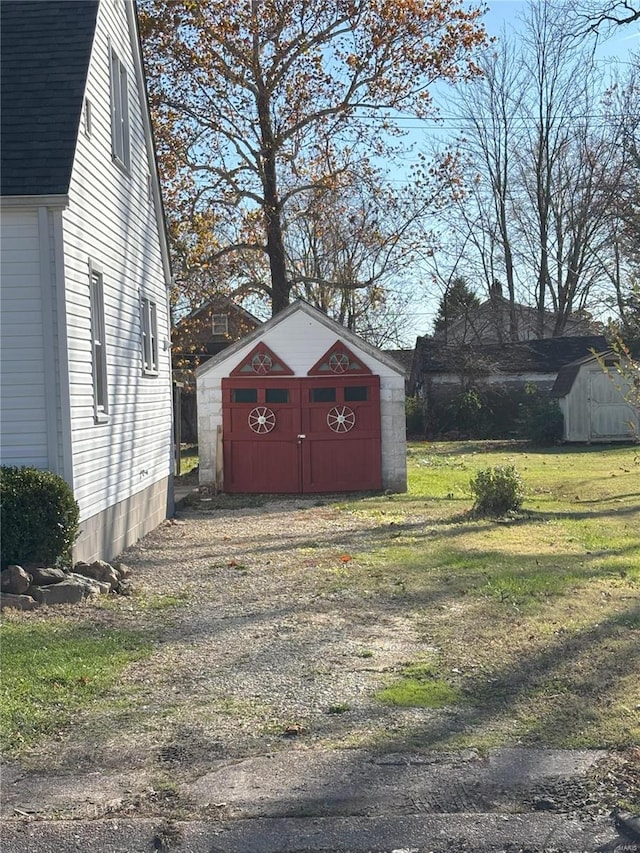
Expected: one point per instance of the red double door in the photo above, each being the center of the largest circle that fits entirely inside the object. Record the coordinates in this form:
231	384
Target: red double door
301	435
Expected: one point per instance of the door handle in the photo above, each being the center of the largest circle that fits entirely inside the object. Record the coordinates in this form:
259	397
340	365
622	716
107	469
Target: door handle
302	436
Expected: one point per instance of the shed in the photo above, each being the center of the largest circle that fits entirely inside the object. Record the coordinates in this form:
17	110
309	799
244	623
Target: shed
301	405
595	402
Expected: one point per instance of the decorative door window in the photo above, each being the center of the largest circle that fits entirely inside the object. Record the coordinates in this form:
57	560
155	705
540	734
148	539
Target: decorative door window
341	419
261	420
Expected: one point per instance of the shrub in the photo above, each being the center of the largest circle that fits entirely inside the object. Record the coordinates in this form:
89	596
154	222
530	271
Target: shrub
39	517
414	415
540	421
497	490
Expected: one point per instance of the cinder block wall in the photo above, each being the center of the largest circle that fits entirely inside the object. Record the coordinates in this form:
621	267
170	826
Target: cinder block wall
393	434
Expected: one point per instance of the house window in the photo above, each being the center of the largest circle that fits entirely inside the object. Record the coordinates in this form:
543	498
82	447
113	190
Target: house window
98	349
119	111
220	324
149	323
87	117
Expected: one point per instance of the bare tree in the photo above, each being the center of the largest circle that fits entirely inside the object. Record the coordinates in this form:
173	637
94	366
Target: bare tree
543	172
490	107
259	102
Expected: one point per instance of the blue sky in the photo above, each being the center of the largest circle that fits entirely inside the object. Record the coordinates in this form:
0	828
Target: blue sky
617	48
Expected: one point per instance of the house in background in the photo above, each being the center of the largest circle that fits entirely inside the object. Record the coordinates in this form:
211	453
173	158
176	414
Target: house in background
490	323
442	372
597	400
86	373
205	332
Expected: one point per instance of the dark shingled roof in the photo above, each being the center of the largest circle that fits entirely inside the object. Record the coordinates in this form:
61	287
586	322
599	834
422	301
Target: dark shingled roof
543	355
569	373
44	58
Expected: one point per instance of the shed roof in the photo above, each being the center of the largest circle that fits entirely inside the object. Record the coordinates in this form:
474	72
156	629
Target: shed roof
318	316
543	355
569	373
45	50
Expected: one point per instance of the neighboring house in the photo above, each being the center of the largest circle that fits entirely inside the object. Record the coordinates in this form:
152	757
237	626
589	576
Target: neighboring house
597	401
490	322
302	405
440	372
405	358
207	331
204	332
86	388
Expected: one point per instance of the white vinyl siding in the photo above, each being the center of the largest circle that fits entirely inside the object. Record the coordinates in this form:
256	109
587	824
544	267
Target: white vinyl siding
109	218
119	111
23	414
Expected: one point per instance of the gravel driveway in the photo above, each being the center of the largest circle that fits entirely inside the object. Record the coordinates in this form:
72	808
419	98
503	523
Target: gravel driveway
263	644
272	630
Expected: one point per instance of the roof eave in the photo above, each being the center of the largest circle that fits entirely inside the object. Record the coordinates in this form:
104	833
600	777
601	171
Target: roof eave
30	201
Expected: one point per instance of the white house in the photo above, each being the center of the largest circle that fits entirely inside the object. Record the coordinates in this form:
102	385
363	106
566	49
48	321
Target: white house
301	405
85	364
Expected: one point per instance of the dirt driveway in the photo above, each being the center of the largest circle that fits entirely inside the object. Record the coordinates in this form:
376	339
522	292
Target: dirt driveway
267	659
262	646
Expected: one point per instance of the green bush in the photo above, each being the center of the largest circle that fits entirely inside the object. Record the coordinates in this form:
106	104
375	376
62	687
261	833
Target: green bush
414	416
497	490
39	517
540	420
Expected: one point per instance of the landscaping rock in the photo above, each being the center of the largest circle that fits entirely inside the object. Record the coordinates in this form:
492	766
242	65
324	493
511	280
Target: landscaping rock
92	586
123	571
99	571
45	577
20	602
124	587
66	592
14	580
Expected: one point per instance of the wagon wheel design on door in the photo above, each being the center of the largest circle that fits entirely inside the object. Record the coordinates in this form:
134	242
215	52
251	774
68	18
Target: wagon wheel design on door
261	363
341	419
261	419
339	362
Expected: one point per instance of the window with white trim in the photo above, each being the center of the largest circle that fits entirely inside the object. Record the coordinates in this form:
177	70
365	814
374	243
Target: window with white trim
220	324
98	347
87	118
149	321
119	112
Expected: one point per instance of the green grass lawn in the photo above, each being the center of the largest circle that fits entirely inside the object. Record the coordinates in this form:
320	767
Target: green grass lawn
54	668
533	621
536	619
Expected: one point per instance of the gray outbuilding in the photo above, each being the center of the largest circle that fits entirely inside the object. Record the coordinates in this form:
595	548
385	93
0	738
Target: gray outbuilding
596	397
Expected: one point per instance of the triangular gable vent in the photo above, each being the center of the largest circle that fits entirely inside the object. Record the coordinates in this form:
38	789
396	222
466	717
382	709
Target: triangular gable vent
338	361
262	361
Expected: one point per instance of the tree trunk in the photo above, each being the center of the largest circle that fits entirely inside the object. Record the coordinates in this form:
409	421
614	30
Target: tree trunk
280	288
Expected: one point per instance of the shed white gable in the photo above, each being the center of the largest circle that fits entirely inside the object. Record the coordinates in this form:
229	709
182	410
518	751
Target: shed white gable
597	404
300	335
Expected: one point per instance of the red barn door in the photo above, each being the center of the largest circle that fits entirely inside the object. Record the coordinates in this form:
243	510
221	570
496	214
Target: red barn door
340	419
287	435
